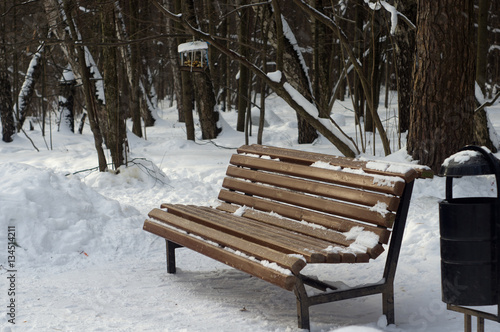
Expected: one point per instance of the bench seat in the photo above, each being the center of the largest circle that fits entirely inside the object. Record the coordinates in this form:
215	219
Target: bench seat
281	209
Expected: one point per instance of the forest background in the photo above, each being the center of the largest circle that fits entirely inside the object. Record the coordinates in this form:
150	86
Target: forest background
101	62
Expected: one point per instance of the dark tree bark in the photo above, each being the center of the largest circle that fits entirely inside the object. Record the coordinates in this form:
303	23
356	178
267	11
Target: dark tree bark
322	63
442	111
205	95
187	91
482	134
373	68
482	44
223	67
135	67
188	104
481	121
174	60
6	112
244	75
358	91
116	130
209	116
149	96
405	59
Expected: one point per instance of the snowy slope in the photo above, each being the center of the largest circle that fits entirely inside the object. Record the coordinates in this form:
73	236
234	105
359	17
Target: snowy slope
84	263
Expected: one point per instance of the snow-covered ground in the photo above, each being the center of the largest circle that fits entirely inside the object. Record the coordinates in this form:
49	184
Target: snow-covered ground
84	263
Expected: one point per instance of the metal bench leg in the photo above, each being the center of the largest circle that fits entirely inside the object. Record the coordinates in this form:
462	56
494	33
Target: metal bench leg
302	305
171	256
388	304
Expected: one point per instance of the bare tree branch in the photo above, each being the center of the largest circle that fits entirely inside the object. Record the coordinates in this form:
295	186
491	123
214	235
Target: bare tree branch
282	88
488	103
344	42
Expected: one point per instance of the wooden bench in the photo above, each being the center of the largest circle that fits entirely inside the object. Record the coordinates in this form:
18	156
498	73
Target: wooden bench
281	209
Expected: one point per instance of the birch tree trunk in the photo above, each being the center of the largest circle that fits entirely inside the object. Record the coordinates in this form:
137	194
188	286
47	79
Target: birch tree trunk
25	95
66	100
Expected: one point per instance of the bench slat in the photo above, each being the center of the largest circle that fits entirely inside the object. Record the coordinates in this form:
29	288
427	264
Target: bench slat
239	262
294	264
307	158
309	244
332	222
315	203
319	233
254	232
316	188
378	183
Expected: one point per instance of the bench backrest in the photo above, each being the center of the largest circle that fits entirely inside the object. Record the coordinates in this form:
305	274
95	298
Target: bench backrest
335	194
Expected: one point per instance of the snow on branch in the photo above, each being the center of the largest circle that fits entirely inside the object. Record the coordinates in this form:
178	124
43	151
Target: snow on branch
393	11
288	33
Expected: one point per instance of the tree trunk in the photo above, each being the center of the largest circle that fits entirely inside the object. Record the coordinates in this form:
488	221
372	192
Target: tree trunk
6	112
117	137
135	68
482	44
323	54
405	59
32	75
205	95
59	18
187	104
244	75
207	105
223	67
66	100
174	60
186	88
442	116
289	60
482	130
149	97
359	95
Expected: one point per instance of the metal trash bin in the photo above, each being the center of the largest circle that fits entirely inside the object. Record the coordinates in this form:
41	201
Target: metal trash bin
469	228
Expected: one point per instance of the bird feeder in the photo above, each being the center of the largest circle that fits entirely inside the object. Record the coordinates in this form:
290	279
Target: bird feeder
193	55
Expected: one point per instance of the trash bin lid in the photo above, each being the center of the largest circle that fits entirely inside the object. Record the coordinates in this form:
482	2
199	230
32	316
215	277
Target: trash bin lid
466	162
